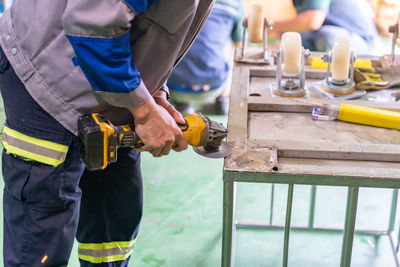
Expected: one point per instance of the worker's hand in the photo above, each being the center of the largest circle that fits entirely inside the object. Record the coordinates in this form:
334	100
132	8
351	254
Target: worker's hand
157	129
161	98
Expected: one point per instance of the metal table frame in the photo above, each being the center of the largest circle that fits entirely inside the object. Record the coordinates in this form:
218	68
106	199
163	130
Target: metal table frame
244	101
230	223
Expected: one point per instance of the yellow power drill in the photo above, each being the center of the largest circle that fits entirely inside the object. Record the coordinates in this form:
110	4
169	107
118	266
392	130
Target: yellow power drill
99	139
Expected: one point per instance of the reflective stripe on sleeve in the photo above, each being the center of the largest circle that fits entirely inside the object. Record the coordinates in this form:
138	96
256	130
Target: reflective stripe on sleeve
105	252
31	148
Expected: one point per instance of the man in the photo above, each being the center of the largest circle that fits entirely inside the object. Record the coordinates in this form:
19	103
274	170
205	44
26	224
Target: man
62	59
320	21
203	75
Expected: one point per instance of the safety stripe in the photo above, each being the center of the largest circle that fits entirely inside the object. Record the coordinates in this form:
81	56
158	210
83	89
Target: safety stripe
33	148
105	252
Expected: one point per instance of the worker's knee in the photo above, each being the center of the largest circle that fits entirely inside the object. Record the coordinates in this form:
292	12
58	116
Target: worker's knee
325	37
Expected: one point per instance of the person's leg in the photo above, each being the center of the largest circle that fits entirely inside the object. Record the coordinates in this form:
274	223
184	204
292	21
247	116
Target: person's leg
40	201
308	40
325	38
359	46
222	101
111	210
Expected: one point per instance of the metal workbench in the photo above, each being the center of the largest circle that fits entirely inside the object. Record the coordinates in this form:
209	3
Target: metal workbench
275	141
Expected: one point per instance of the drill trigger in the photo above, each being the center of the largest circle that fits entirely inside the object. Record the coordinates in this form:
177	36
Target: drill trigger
184	127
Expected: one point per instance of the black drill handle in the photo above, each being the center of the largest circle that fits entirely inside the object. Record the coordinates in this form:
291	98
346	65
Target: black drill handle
127	137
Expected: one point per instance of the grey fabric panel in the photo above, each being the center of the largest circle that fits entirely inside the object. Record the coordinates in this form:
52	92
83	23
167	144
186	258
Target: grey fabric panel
105	252
47	97
33	29
129	100
47	152
162	34
100	18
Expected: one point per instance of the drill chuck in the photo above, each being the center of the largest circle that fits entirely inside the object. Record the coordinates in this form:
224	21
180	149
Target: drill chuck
216	132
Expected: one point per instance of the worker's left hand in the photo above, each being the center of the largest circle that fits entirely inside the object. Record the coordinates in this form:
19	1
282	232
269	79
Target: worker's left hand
161	99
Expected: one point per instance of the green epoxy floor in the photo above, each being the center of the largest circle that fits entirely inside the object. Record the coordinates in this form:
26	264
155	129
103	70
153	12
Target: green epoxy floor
183	217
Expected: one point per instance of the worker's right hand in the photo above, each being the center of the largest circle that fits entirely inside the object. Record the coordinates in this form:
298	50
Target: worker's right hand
157	129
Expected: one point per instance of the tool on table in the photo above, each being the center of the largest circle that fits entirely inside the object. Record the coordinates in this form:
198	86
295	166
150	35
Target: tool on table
358	114
291	63
256	26
99	139
339	81
395	30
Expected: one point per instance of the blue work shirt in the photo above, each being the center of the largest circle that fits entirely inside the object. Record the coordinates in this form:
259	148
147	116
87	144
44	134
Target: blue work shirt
205	64
348	14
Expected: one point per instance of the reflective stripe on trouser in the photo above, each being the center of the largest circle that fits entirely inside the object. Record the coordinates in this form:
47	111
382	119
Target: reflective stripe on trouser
31	148
111	210
105	252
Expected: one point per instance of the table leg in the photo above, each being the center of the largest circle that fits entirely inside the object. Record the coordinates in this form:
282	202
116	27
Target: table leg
312	207
287	225
228	225
271	213
393	210
350	221
398	241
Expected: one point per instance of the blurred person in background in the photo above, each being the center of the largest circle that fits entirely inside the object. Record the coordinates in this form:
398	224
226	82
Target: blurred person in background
204	74
321	21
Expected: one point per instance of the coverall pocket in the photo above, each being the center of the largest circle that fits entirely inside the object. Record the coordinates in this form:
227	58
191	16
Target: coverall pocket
40	186
15	174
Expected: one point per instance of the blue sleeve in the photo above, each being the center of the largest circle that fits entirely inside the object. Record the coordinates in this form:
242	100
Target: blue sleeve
107	63
99	32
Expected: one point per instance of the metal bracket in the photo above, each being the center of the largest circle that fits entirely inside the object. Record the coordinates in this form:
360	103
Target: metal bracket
268	25
253	158
394	29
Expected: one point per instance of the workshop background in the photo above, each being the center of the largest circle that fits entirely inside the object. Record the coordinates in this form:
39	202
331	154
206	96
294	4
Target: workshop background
182	221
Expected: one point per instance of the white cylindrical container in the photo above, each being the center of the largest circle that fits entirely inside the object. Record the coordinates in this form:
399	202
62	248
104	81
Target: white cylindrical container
291	49
340	59
255	23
